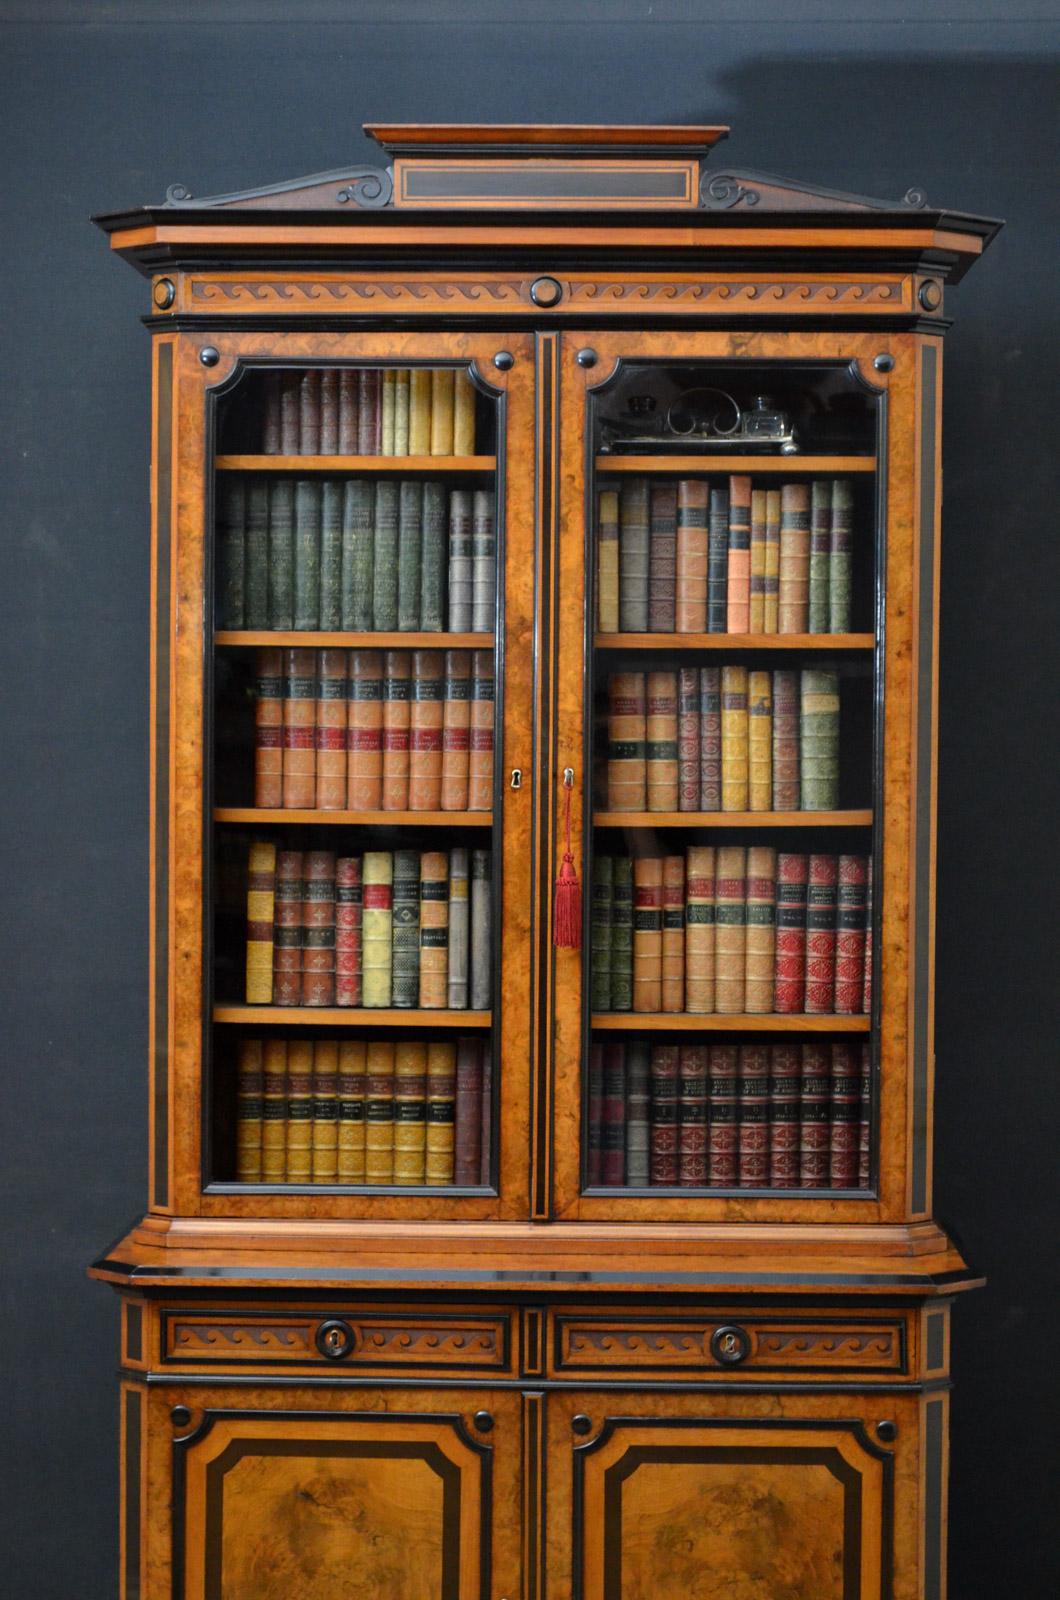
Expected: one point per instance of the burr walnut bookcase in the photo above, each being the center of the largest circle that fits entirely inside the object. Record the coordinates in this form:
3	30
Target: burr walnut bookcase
622	1347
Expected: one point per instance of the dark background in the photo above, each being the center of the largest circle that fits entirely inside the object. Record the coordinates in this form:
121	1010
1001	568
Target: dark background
103	106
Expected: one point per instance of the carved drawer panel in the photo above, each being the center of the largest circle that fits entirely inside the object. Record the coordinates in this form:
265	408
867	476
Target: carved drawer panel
685	1342
377	1339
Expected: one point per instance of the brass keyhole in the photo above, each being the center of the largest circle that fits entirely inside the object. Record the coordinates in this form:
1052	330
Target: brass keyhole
729	1345
334	1339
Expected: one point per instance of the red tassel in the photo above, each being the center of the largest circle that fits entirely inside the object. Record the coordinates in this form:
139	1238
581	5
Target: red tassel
567	905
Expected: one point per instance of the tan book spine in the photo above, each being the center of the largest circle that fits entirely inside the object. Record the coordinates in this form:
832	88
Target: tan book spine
761	928
734	739
456	730
351	1098
420	411
627	732
699	928
463	414
389	398
249	1091
299	730
410	1111
401	411
661	741
673	934
268	730
274	1111
377	916
331	730
692	539
756	616
730	940
647	933
760	741
396	711
348	412
425	731
794	590
287	929
261	907
299	1111
434	930
607	561
326	1111
379	1112
318	929
480	755
365	731
739	574
441	1102
771	588
442	411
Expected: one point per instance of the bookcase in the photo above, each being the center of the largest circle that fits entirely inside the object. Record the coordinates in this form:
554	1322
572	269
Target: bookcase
545	566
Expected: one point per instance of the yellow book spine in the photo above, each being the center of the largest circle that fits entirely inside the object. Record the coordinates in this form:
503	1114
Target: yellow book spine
299	1111
731	929
434	930
734	738
379	1108
401	411
389	396
325	1111
441	1100
377	918
760	943
351	1097
463	415
699	928
760	741
442	411
410	1111
274	1111
261	910
420	411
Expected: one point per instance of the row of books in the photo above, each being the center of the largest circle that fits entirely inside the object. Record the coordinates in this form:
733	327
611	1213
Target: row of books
331	553
414	1111
698	556
405	928
723	739
752	1116
374	730
734	930
369	411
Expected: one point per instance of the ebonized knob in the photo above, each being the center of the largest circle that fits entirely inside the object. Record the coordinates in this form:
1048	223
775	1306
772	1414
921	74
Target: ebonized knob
334	1338
483	1421
581	1423
546	292
504	361
730	1344
587	357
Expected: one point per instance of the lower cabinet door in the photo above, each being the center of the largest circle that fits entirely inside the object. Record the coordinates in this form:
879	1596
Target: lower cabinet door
754	1497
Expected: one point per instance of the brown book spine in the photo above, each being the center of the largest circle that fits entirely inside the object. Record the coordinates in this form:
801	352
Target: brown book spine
756	615
268	730
735	793
410	1111
690	611
480	754
395	713
270	425
865	1116
351	1098
331	730
613	1123
699	928
365	732
815	1101
274	1111
753	1137
249	1090
348	412
794	590
299	1111
467	1164
673	936
771	586
261	902
594	1112
850	934
369	407
485	1164
647	933
318	929
787	787
789	989
326	1111
349	912
710	739
820	934
738	614
287	929
845	1115
761	928
379	1112
442	411
425	731
607	561
627	709
760	741
309	414
299	730
866	988
661	741
785	1075
730	937
329	412
456	730
688	738
723	1127
434	930
441	1099
662	558
290	423
664	1162
692	1116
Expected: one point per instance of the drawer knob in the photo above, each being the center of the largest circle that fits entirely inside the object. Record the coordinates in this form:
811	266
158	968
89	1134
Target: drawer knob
730	1345
546	292
887	1431
581	1423
334	1339
483	1421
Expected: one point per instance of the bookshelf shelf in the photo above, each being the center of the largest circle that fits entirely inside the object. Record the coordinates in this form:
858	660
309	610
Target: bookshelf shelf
732	819
718	1022
699	466
367	819
353	641
351	1016
428	464
670	642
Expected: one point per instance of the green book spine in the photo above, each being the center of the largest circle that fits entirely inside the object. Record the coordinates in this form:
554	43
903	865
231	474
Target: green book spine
405	967
622	935
600	933
358	545
231	551
819	740
306	554
410	554
820	553
385	571
331	555
256	556
432	566
840	557
281	553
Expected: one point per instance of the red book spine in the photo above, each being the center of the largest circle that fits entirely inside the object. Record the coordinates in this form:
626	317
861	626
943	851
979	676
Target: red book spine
722	1137
299	730
820	935
815	1101
268	731
850	934
865	1116
613	1118
866	988
318	929
331	730
784	1088
789	990
287	931
487	1112
692	1116
349	908
467	1160
688	739
845	1107
753	1138
595	1117
738	611
663	1164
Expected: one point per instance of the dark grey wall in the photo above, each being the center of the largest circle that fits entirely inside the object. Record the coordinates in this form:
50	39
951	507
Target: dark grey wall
103	106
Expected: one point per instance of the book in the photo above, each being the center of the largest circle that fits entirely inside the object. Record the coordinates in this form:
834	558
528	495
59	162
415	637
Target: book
299	729
851	886
231	550
299	1139
331	711
420	411
480	753
789	988
349	912
386	443
845	1115
634	521
692	1116
753	1111
385	557
771	583
401	411
365	731
433	558
759	741
377	880
256	556
410	1111
287	929
820	560
699	928
456	731
662	557
434	929
760	935
379	1111
459	928
647	933
730	933
395	710
688	755
290	419
661	741
622	935
329	412
467	1162
441	1101
425	731
638	1113
460	561
325	1138
281	553
442	411
358	555
318	928
627	710
864	1115
331	513
483	563
270	414
785	1081
819	740
307	526
410	554
348	409
710	738
274	1111
738	596
480	979
369	411
249	1090
405	929
613	1116
600	908
673	934
352	1090
787	782
309	414
718	561
866	989
664	1162
734	739
690	610
463	414
722	1126
814	1104
794	575
261	905
607	561
840	556
486	1167
820	934
756	612
594	1116
268	730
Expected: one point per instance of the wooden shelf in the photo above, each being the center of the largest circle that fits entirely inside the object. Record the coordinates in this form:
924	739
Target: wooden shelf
353	1016
753	463
423	819
734	641
717	1022
355	641
730	819
356	463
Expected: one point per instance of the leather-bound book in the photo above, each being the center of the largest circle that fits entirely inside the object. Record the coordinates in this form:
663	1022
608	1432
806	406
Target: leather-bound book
349	402
866	988
485	1162
851	890
385	558
349	915
231	550
460	561
607	561
627	710
594	1116
638	1114
864	1114
483	563
410	554
307	527
815	1104
287	929
401	411
789	988
819	740
820	542
647	933
600	933
787	783
442	411
331	730
281	553
420	411
467	1163
261	906
387	429
410	1111
365	730
379	1112
688	739
613	1124
331	509
753	1138
268	730
756	615
730	933
309	414
456	730
299	1166
318	929
692	1116
329	412
759	741
352	1091
369	411
699	928
459	928
434	930
690	612
845	1115
634	522
710	738
840	556
441	1103
622	936
405	930
664	1162
377	888
270	414
734	739
661	741
820	934
673	936
738	613
480	755
771	588
463	414
290	414
299	730
793	600
722	1124
785	1083
760	958
433	562
480	981
326	1111
358	554
396	710
662	557
718	562
425	731
256	557
249	1089
274	1111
